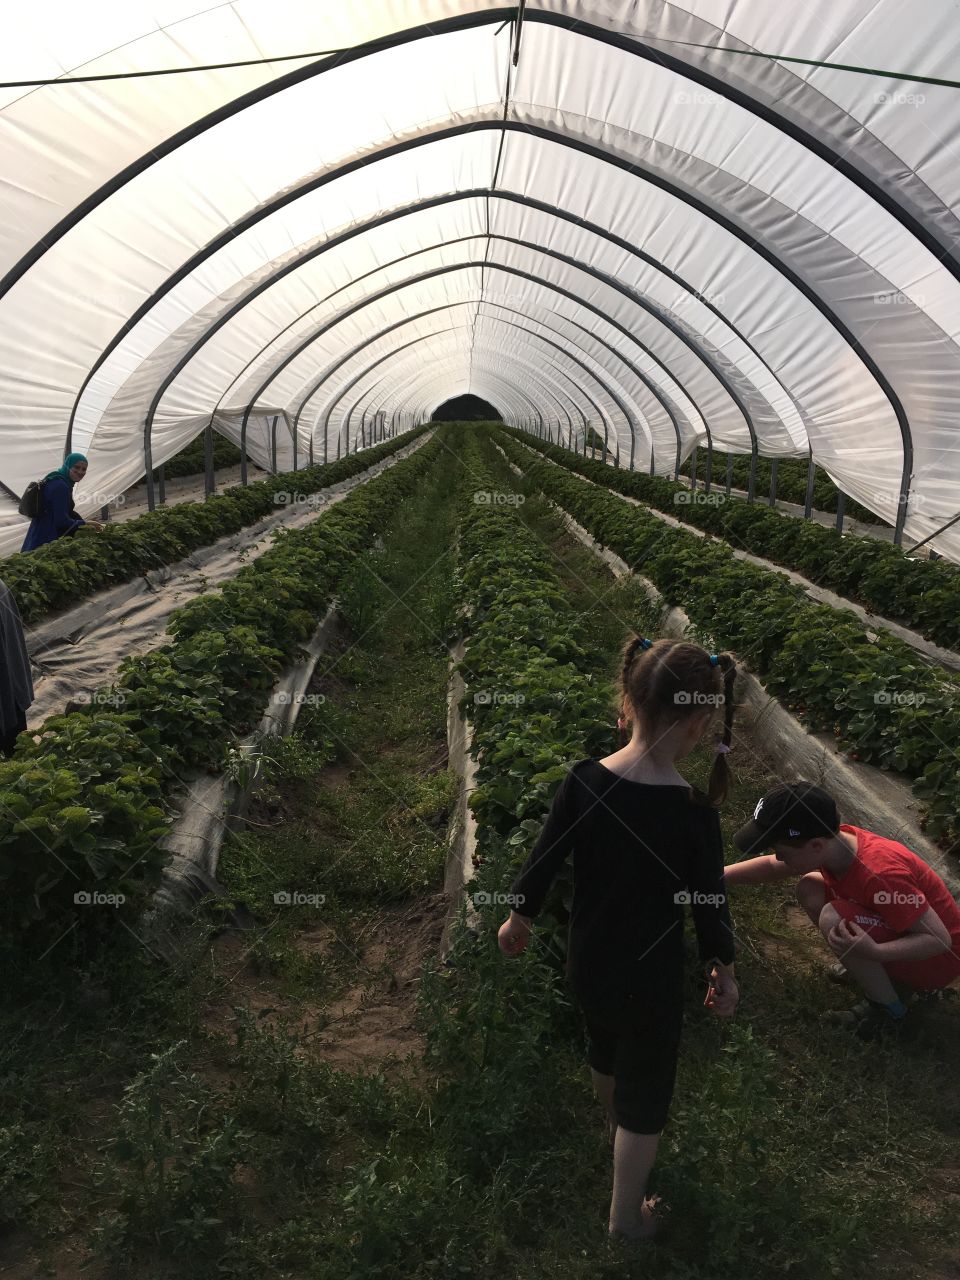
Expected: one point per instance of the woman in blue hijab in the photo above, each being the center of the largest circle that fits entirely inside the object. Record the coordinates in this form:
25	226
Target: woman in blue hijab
58	516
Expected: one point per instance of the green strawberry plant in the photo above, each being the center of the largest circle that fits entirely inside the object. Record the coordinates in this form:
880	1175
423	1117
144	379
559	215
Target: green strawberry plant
872	692
64	572
922	594
86	798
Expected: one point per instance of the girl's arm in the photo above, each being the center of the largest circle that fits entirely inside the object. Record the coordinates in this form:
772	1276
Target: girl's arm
725	994
533	882
707	894
757	871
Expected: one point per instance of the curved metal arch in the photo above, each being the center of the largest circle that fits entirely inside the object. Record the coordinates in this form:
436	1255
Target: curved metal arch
425	276
288	268
558	403
507	389
538	383
433	202
400	324
425	204
373	396
627	44
530	336
660	398
485	302
323	378
528	422
576	144
511	391
344	359
550	395
536	378
576	406
353	351
630	294
436	381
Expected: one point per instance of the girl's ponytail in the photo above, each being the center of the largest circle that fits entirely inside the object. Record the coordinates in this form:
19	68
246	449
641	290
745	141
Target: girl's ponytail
630	650
719	783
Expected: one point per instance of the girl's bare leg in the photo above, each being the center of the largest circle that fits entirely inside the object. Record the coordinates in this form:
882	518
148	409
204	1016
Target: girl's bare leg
603	1087
633	1158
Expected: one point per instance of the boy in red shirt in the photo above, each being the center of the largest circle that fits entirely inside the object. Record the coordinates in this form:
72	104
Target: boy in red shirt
882	910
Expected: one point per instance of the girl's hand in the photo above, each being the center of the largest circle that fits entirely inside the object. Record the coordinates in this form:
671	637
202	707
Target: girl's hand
723	996
513	935
845	936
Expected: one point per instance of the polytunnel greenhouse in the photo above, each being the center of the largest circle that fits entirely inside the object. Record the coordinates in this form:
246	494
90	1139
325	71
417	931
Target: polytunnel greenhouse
479	640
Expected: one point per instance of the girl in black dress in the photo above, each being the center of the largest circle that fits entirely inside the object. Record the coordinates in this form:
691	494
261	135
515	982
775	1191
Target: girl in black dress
645	843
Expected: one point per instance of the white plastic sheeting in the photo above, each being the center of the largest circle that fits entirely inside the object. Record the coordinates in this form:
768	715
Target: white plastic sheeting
639	227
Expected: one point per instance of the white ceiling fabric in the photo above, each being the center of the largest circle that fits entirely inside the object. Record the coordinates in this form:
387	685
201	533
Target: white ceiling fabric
677	244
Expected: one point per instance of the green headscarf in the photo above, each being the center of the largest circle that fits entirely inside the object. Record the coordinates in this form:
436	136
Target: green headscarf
69	461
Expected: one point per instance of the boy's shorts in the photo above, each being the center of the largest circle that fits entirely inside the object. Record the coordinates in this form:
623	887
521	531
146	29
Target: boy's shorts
923	975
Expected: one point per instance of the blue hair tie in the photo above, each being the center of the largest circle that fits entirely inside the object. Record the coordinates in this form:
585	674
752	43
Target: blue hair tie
645	643
714	659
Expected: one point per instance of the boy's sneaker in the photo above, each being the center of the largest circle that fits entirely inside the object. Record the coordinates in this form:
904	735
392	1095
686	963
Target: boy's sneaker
847	1017
877	1024
871	1021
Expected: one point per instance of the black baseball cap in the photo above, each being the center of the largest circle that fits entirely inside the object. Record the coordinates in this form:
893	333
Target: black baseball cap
794	811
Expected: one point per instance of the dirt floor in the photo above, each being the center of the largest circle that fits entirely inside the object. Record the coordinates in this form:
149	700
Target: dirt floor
374	1020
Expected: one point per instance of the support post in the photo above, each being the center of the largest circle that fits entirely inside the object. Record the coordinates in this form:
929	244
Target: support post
811	477
208	476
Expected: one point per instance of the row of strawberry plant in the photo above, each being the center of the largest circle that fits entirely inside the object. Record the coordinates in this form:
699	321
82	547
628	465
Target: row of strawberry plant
71	569
530	697
882	703
923	594
191	460
80	802
500	1036
791	484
